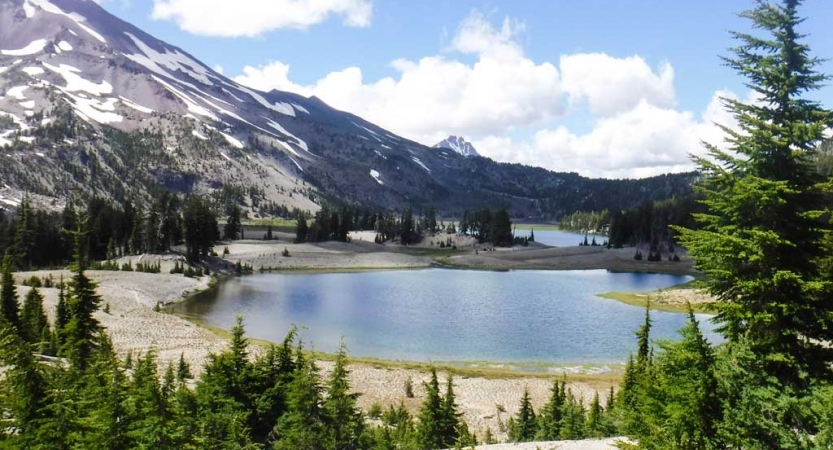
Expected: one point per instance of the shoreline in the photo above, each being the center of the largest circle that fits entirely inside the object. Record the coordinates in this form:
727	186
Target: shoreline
135	327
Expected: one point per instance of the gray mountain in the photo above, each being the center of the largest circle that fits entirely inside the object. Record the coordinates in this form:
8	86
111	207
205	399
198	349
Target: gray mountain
459	145
92	106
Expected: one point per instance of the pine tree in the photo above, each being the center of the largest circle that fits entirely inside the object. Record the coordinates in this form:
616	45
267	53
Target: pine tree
549	423
762	238
24	238
82	330
594	417
61	313
9	307
430	416
303	426
525	424
301	230
33	319
233	227
449	416
345	423
23	388
681	406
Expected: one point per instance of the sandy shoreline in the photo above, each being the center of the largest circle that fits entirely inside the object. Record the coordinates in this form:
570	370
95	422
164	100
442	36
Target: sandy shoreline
136	327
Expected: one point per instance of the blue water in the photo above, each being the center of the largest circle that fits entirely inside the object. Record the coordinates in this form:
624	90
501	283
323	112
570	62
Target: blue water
448	315
557	238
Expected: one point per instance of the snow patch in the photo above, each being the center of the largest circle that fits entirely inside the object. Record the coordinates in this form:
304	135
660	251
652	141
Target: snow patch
416	160
225	156
281	129
199	135
75	83
28	104
33	47
283	108
232	140
135	106
27	139
192	106
29	10
3	69
376	176
92	109
65	46
17	92
49	7
300	108
387	147
174	61
32	71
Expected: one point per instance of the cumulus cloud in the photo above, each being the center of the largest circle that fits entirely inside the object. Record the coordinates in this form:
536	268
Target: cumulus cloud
644	141
636	128
612	85
436	95
255	17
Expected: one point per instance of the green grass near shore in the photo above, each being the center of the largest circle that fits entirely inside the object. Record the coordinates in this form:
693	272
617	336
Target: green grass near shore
641	299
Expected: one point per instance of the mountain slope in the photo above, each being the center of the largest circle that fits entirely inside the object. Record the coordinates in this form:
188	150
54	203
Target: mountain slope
459	145
91	105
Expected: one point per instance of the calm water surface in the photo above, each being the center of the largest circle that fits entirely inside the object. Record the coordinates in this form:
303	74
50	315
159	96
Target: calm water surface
558	238
447	315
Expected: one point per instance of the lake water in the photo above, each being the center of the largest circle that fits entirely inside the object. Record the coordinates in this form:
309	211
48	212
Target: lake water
557	238
447	315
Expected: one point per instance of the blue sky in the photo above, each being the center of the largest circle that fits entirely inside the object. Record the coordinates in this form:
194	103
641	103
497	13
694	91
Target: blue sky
669	49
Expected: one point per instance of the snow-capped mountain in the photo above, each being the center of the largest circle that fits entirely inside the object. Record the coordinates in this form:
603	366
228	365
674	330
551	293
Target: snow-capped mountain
92	105
459	145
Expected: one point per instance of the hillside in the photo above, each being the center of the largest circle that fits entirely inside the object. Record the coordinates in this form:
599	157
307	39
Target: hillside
91	105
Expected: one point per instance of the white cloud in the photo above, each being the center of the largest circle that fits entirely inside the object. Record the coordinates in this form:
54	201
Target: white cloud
636	128
255	17
612	85
644	141
436	96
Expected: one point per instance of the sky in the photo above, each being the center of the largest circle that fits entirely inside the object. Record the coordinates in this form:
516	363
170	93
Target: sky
605	88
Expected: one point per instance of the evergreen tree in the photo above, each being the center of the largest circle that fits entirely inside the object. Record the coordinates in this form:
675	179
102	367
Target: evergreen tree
524	426
82	330
594	417
23	389
301	230
9	306
681	407
449	416
61	312
303	427
549	423
33	319
233	227
762	237
24	239
345	423
431	416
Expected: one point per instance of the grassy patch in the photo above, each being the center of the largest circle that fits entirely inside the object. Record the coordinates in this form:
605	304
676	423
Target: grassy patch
537	226
641	298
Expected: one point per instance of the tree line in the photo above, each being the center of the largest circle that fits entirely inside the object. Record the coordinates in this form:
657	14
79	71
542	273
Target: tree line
40	239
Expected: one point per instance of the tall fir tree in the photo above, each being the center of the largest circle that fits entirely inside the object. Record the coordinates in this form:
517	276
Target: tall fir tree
762	238
344	419
33	318
82	329
525	425
9	306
